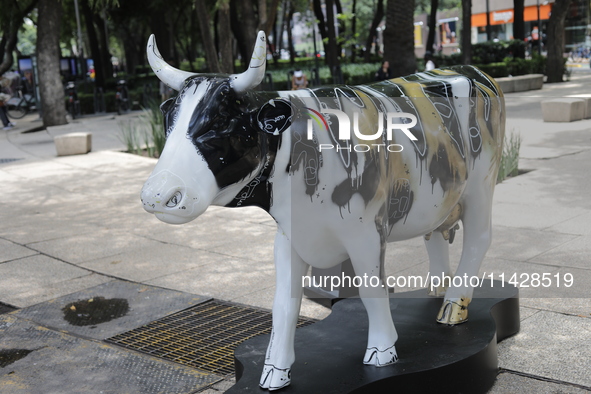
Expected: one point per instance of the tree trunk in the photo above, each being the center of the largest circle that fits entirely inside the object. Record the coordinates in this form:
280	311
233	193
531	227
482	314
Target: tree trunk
555	62
95	51
354	32
48	62
11	22
378	16
210	53
466	36
518	24
225	37
289	22
246	28
399	41
104	47
332	57
432	26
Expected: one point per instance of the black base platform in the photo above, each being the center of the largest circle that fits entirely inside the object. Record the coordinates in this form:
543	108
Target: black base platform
433	358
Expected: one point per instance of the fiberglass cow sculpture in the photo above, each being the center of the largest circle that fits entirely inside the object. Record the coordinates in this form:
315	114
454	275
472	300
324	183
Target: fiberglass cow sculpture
343	170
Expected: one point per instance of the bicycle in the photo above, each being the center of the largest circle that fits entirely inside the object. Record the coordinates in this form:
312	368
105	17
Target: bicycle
18	106
73	102
122	97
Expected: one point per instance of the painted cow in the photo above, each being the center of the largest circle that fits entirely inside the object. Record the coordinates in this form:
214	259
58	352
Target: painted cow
335	198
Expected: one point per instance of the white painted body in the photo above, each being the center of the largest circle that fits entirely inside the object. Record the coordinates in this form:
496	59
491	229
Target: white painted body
311	231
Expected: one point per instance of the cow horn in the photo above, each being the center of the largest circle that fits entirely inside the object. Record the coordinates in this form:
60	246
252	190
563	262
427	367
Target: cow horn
171	76
255	73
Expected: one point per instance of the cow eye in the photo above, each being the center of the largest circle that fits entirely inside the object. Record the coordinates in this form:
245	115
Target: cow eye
165	106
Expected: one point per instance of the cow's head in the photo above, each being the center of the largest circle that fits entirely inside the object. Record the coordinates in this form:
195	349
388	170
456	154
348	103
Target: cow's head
214	145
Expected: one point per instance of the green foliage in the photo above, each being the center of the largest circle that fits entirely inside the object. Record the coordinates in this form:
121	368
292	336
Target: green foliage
153	119
131	136
144	135
451	60
517	66
353	74
538	64
489	52
495	70
509	165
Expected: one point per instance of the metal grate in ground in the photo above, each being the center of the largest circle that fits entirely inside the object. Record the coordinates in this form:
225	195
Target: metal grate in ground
3	161
203	336
5	308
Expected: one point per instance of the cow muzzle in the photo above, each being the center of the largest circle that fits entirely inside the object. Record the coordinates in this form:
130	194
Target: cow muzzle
166	195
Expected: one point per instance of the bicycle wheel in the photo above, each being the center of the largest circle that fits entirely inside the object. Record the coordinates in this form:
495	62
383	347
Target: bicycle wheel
16	111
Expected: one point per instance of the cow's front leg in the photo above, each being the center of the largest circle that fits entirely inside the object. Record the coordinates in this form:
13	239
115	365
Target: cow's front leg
280	356
367	259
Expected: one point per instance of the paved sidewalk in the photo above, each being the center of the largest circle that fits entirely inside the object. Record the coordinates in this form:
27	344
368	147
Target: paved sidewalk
69	224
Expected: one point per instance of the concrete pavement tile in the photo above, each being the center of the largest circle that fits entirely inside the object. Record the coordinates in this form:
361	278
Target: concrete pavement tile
153	261
110	161
530	216
512	243
404	254
34	279
11	251
247	214
525	312
55	363
206	232
226	280
510	383
38	228
120	306
575	253
523	244
572	306
580	225
313	309
92	246
48	169
246	240
263	298
550	345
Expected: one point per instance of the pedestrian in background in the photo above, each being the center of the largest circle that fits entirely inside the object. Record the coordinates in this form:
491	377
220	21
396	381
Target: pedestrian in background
4	97
299	80
383	72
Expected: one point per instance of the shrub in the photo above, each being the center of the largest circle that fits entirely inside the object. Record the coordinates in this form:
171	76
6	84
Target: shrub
518	66
489	52
495	70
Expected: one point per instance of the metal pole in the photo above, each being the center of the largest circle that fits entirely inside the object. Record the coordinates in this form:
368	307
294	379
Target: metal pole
488	32
539	29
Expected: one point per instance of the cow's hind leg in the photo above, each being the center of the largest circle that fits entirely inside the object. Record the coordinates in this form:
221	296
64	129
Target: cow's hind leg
367	258
280	356
476	220
438	250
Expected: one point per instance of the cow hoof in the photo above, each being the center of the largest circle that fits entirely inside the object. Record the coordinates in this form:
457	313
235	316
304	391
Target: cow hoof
454	311
380	358
275	378
438	291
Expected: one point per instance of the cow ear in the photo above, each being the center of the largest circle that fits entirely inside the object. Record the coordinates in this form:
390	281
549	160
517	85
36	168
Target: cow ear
274	117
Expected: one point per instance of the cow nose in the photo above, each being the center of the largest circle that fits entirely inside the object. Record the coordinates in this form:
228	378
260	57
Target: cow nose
174	200
162	192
